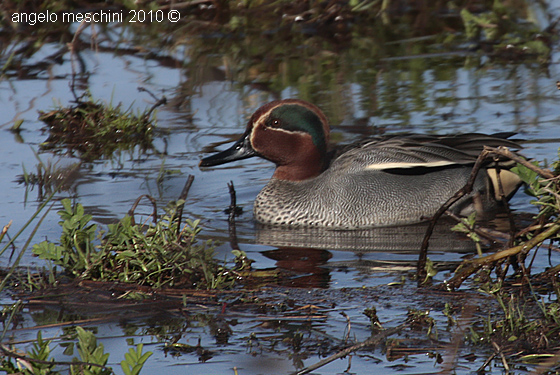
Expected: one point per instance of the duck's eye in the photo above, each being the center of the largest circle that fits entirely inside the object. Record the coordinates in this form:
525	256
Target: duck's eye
273	123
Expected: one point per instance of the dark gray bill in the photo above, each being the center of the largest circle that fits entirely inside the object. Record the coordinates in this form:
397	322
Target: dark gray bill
242	149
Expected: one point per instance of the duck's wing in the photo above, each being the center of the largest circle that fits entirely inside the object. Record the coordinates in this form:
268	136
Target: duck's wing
418	151
473	143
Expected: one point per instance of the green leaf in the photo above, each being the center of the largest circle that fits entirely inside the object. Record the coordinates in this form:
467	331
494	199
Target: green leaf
48	251
134	360
526	175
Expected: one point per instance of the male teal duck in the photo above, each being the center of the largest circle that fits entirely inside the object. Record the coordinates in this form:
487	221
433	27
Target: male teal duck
384	181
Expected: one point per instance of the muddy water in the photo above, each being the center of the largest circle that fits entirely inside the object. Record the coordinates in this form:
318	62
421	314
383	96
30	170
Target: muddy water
211	95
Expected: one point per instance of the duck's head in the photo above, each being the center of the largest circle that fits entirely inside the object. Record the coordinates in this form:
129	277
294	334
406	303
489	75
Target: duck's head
291	133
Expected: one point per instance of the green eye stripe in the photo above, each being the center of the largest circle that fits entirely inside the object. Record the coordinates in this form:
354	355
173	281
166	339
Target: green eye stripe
293	117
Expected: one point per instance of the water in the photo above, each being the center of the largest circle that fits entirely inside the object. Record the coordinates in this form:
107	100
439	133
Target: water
212	93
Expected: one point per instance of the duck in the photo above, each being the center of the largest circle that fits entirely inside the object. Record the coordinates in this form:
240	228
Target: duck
380	181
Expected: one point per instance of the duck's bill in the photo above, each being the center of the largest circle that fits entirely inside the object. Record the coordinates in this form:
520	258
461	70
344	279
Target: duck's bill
240	150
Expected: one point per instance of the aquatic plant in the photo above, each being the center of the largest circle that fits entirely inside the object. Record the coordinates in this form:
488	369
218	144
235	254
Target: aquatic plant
542	183
156	255
92	358
48	177
525	323
91	129
544	186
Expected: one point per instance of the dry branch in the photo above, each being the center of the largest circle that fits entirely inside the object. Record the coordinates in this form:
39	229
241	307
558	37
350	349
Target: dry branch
372	341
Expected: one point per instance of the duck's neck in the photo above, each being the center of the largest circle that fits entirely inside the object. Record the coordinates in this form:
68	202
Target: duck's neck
301	168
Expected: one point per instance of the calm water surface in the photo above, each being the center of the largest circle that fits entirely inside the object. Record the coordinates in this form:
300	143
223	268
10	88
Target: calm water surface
447	96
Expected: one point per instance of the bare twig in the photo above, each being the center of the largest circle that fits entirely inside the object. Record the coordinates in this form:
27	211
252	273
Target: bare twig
133	208
423	256
499	152
372	341
486	363
183	197
502	356
159	102
231	218
473	266
505	152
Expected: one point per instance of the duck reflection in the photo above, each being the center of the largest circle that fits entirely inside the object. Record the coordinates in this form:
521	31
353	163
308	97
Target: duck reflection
399	239
306	252
306	265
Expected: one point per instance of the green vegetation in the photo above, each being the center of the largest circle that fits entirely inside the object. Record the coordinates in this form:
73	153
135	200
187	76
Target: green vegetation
308	46
92	358
155	255
467	226
543	184
500	31
316	49
92	130
525	323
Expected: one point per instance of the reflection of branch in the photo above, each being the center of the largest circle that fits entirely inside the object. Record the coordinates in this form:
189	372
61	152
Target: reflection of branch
72	49
159	101
372	341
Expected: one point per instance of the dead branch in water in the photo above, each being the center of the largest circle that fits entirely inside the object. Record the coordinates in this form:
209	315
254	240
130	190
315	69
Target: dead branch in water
372	341
183	197
232	211
520	250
